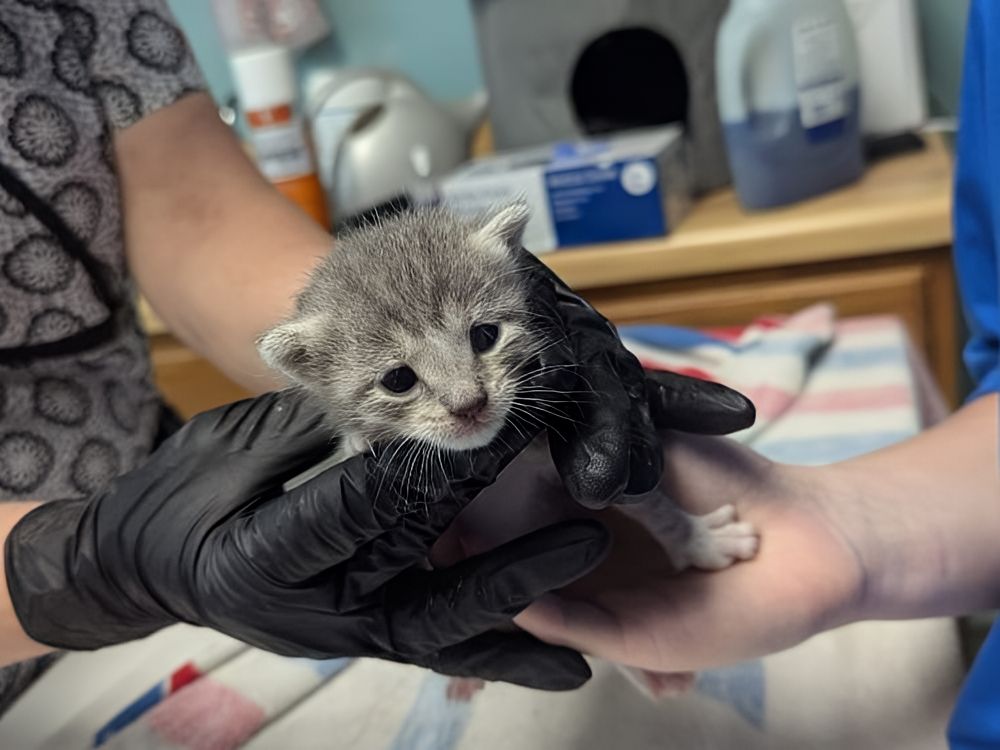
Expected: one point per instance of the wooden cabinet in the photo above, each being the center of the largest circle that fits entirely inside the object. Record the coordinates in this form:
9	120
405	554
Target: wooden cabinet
880	246
187	381
916	287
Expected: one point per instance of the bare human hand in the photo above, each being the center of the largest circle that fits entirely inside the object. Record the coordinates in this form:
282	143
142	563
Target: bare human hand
635	610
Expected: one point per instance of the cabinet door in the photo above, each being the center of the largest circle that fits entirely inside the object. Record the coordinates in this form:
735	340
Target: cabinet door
918	288
897	291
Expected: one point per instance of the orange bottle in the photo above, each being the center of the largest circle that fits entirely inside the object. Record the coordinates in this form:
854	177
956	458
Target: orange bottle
265	84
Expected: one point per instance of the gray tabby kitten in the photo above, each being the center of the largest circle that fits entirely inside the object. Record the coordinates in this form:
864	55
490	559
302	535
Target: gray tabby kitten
417	331
414	331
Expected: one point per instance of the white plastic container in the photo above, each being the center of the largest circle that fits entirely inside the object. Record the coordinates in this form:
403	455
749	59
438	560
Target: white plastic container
893	95
614	188
789	99
264	77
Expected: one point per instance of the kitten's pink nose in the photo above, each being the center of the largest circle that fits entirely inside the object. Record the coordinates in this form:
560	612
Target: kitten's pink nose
470	409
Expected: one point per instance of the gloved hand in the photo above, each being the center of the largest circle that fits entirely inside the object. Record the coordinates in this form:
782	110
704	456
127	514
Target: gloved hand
607	444
199	534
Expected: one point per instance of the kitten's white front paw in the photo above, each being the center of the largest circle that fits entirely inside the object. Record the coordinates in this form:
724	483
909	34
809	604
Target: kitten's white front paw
717	541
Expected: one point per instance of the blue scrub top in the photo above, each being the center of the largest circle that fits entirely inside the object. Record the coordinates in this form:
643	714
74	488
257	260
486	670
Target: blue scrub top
976	721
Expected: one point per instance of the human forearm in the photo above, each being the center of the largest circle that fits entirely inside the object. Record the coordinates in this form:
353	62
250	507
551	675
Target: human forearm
15	645
909	531
216	250
923	518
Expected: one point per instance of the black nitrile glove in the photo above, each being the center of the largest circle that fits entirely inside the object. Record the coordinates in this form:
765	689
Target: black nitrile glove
335	567
607	445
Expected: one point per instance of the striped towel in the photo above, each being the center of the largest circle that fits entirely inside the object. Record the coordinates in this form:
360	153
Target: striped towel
825	390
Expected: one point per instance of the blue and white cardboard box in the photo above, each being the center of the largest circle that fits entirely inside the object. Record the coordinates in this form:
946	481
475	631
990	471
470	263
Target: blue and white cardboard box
622	187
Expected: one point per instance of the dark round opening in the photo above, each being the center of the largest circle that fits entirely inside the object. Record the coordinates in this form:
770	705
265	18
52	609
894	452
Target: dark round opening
629	78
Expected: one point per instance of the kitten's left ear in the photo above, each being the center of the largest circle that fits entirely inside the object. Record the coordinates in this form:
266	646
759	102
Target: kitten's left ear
290	348
505	228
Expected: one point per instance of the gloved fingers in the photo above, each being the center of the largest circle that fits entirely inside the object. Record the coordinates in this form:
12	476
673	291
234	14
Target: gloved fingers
514	657
645	453
612	447
428	611
269	420
645	450
544	275
404	548
555	368
678	402
314	526
340	514
279	434
592	452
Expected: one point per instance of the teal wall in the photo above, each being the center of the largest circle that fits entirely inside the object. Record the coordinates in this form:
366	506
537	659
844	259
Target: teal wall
943	31
434	43
195	17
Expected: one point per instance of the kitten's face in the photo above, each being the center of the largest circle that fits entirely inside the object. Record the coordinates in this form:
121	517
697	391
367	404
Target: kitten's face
415	329
449	383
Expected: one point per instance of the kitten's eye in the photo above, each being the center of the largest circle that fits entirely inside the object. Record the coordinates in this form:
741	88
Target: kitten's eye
399	380
483	337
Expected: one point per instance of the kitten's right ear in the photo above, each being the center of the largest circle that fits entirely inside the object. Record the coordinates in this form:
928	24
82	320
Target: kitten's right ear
505	228
289	347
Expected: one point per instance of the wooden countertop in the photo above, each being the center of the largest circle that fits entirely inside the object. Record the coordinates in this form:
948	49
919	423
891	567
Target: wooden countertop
148	319
902	203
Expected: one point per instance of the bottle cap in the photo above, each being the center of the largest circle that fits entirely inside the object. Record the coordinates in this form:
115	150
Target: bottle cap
264	77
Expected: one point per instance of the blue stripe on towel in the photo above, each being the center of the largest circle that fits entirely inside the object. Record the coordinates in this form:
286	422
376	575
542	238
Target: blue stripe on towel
741	686
854	359
670	337
434	722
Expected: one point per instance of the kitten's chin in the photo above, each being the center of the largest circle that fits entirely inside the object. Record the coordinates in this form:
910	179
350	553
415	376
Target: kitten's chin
469	439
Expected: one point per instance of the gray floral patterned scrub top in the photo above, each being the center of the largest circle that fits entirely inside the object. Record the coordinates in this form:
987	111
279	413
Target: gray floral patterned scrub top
77	403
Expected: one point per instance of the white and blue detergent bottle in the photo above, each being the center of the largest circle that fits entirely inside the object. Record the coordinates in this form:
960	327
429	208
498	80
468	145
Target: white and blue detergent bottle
789	99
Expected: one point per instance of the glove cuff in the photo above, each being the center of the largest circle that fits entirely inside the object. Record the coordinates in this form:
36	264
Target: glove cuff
60	592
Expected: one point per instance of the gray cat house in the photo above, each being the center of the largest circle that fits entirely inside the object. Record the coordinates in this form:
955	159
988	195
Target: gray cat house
560	69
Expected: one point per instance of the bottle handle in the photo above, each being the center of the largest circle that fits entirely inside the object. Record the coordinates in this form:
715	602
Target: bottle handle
756	41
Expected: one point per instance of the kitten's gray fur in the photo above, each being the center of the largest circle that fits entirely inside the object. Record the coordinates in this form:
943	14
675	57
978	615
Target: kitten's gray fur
407	292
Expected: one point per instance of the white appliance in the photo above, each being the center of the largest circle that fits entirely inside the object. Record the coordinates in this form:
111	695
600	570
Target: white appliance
893	95
378	135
